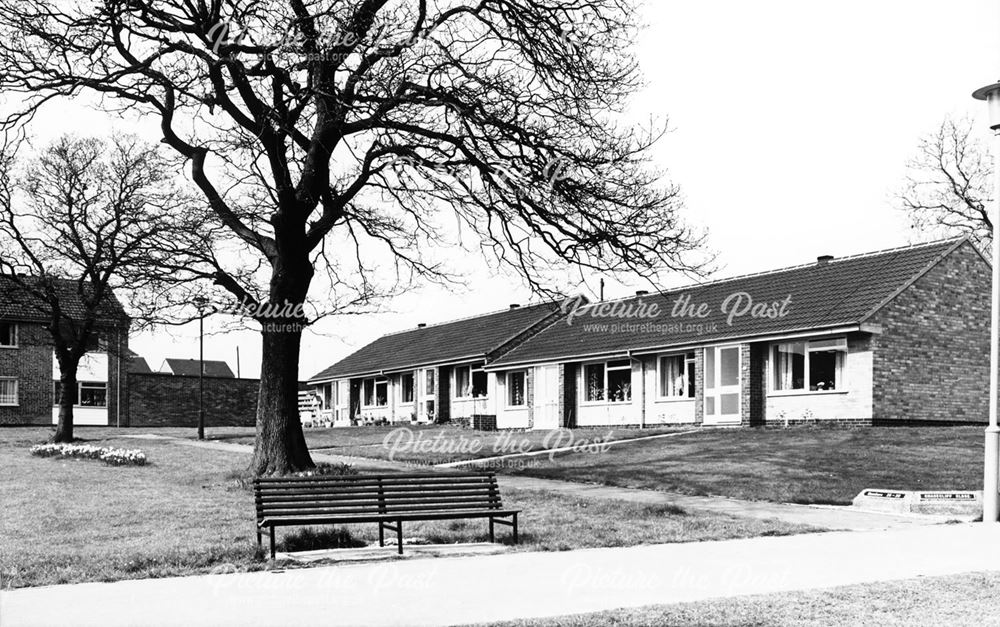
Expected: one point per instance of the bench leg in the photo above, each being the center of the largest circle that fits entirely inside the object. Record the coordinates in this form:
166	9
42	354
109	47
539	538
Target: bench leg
399	536
491	530
259	544
381	535
515	528
272	542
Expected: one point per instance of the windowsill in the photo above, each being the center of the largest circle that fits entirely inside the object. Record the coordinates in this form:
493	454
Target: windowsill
386	406
674	399
604	403
516	407
405	402
471	398
10	404
10	346
84	407
780	393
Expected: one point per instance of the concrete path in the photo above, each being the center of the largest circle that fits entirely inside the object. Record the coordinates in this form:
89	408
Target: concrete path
450	591
831	517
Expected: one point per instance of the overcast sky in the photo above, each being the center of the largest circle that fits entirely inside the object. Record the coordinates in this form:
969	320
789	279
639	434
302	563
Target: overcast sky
792	122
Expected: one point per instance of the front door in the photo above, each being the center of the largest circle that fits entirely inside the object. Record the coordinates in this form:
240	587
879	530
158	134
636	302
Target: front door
546	401
722	385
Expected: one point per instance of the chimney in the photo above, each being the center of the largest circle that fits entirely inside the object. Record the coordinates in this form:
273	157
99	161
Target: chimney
822	260
642	292
514	306
421	325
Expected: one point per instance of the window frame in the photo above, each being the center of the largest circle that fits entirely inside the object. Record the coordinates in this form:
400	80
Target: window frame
79	394
376	381
524	389
16	332
606	365
17	393
402	388
472	370
687	368
840	346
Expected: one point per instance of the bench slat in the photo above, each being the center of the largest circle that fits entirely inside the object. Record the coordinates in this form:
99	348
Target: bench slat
401	479
360	496
360	518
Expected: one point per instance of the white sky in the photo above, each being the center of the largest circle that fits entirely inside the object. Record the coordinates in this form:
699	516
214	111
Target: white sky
792	124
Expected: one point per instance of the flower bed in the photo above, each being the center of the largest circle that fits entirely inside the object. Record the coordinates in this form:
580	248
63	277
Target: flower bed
108	455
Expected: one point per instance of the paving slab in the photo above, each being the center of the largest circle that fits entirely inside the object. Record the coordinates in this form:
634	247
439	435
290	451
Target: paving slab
448	591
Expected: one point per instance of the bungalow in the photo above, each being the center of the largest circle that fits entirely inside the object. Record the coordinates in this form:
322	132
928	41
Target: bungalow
892	336
433	373
898	335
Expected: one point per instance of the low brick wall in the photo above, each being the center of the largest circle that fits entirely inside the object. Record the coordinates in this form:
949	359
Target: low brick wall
166	400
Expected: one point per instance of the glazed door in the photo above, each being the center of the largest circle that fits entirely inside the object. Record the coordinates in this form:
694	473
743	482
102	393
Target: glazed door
722	385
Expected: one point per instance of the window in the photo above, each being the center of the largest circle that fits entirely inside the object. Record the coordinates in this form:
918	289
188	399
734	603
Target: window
429	382
8	391
816	363
8	334
611	381
462	387
470	382
515	389
406	388
594	380
376	392
93	394
88	394
676	376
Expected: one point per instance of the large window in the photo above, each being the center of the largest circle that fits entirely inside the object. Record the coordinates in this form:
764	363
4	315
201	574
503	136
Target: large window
515	389
88	394
611	381
470	382
676	374
406	387
8	334
376	392
817	364
8	391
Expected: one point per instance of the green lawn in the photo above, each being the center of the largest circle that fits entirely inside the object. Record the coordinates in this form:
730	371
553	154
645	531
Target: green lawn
797	465
187	512
969	599
436	444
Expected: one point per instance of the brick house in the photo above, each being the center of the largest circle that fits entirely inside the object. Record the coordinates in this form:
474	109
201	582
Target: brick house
891	336
431	373
29	373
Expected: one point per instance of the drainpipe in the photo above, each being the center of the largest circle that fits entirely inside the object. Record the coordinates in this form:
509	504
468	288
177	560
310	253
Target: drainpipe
642	379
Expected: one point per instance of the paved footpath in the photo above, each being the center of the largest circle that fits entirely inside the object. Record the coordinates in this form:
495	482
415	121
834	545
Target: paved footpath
834	518
448	591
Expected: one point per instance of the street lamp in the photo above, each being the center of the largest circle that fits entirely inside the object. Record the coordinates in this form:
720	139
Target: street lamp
200	302
991	470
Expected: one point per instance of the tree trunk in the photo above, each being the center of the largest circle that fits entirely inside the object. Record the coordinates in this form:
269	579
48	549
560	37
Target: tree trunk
280	447
67	399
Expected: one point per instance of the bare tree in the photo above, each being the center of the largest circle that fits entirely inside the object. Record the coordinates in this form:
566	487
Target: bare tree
92	216
342	142
948	189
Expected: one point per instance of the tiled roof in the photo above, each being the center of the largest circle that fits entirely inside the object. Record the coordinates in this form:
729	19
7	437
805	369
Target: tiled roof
469	338
189	368
17	303
138	365
839	292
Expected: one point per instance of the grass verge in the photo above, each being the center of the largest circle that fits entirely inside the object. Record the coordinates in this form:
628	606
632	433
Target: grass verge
188	511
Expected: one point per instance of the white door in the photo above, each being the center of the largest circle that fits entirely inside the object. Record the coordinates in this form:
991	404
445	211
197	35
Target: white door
546	403
722	385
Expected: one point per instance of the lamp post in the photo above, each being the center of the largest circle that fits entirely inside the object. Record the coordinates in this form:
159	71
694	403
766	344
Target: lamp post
991	470
200	303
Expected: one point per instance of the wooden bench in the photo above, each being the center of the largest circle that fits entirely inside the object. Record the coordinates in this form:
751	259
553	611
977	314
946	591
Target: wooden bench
388	500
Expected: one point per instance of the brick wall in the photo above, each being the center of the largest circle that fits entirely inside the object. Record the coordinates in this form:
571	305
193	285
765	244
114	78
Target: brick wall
931	362
31	364
758	385
156	399
442	401
699	386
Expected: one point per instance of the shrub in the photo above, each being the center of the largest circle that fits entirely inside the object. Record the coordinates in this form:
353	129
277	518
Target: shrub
108	455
